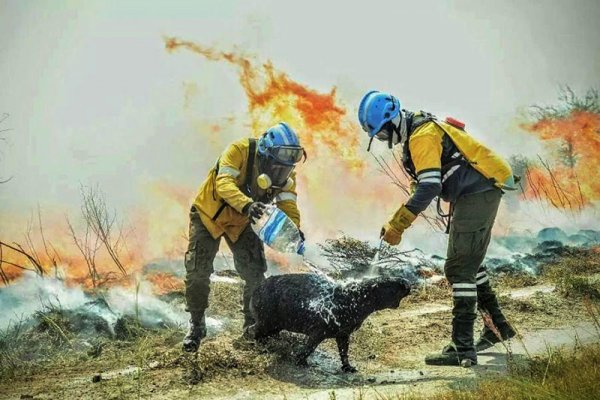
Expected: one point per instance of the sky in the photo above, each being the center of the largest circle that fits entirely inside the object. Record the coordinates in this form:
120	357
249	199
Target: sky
94	98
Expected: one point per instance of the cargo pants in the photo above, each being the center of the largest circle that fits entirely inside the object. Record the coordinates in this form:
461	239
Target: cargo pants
470	233
248	258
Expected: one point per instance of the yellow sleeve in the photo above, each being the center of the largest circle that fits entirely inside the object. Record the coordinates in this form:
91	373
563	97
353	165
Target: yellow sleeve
287	202
425	147
231	164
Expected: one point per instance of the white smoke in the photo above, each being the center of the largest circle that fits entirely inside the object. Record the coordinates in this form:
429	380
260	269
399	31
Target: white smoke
32	293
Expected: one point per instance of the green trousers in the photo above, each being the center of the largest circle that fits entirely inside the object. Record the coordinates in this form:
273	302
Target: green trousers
470	233
248	258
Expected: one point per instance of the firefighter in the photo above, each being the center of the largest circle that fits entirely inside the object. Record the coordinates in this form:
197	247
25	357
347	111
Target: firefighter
444	161
249	174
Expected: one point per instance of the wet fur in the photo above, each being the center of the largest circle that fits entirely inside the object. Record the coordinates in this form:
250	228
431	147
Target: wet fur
291	302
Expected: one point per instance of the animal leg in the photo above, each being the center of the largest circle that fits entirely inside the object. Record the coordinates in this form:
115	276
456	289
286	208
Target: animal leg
343	342
308	349
261	331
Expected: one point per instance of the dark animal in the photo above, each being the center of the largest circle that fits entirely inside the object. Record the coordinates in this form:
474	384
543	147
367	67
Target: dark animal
320	308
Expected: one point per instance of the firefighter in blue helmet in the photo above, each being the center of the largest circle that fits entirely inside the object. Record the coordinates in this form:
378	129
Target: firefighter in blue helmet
445	161
249	174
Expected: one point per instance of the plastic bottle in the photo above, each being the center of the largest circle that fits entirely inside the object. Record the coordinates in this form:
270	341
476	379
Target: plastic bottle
279	232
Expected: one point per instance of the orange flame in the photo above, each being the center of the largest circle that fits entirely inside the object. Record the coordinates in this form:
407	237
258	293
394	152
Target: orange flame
332	191
572	183
274	97
164	283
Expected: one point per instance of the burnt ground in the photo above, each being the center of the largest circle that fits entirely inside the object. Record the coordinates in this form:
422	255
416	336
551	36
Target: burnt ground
388	350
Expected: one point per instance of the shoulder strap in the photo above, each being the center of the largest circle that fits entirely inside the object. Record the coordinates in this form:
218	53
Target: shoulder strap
250	165
414	120
419	119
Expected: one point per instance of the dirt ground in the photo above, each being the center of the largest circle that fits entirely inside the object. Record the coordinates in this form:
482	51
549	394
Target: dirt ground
388	351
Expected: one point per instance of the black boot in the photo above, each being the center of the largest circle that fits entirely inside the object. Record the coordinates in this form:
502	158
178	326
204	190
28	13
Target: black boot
196	332
489	338
488	303
462	350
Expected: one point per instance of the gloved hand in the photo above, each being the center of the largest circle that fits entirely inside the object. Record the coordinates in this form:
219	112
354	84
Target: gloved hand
390	235
393	229
254	210
301	235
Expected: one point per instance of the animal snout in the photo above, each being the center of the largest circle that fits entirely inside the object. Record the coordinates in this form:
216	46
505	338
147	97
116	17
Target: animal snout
404	287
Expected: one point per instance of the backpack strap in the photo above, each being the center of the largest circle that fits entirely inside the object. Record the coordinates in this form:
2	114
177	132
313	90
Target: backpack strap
246	187
250	167
414	121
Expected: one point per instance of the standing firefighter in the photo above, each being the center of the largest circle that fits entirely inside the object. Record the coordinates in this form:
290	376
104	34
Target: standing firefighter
248	175
444	161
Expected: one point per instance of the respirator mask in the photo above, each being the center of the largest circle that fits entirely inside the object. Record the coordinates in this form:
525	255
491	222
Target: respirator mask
277	165
393	131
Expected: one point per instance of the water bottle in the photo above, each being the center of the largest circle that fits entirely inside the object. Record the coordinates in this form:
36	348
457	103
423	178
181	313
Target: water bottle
278	231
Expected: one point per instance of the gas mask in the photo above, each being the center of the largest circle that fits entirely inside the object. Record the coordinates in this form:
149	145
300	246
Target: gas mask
277	166
394	131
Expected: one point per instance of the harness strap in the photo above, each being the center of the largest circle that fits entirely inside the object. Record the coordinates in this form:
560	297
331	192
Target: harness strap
250	167
247	182
447	218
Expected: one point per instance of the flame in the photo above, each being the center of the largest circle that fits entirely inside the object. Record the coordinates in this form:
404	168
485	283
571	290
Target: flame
570	183
164	283
333	192
337	188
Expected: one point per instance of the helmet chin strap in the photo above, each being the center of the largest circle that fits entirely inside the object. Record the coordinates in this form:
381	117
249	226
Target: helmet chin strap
399	133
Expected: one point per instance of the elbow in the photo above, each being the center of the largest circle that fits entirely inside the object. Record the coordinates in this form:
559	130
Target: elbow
436	188
423	196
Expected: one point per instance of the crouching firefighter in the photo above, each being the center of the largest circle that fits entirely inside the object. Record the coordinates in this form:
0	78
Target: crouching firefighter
445	161
249	174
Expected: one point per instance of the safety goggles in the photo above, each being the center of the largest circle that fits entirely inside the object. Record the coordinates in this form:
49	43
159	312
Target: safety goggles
383	135
287	155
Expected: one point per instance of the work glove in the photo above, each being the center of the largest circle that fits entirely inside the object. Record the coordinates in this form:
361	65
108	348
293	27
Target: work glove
393	229
254	210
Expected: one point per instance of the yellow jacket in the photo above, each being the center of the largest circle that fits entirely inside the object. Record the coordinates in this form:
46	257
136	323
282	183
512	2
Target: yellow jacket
220	199
425	145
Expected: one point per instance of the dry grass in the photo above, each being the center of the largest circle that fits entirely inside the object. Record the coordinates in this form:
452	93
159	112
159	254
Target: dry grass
515	280
389	339
576	276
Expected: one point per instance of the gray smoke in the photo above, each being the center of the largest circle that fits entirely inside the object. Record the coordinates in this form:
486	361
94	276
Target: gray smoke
31	293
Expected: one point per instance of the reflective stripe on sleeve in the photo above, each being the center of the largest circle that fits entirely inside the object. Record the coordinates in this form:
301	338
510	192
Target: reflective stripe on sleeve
429	176
284	196
430	180
229	171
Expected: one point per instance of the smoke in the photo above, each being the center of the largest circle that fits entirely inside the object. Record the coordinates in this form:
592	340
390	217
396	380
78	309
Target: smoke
32	293
339	187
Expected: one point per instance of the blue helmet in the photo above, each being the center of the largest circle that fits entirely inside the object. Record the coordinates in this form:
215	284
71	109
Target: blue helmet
376	108
281	143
